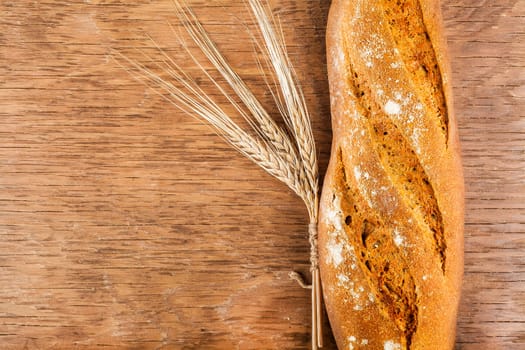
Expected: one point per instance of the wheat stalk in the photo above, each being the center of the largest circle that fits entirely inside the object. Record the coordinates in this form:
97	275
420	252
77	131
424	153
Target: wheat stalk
292	160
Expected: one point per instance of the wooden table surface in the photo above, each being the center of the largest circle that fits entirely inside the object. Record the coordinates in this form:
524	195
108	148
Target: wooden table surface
125	224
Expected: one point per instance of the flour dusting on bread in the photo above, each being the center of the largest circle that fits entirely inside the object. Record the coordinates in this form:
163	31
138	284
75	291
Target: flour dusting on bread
391	207
391	345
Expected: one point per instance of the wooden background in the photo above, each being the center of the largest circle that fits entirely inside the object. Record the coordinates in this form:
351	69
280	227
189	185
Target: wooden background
125	224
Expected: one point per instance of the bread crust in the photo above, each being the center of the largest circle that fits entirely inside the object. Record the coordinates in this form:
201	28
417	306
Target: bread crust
391	211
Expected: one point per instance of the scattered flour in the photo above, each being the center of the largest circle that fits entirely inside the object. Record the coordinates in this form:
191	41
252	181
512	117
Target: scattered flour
333	216
395	65
371	297
399	240
357	173
357	294
335	246
365	190
392	107
416	135
342	279
335	252
390	345
352	339
366	53
339	252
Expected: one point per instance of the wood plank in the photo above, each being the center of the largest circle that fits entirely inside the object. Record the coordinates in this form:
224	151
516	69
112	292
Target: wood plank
126	224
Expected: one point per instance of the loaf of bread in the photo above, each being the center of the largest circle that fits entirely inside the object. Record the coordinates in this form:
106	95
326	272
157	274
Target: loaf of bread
391	212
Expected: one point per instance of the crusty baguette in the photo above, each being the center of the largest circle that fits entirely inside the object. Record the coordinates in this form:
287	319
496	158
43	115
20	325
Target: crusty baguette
391	212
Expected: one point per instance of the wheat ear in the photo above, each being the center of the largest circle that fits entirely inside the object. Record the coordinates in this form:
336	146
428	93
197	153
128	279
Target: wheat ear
192	100
258	118
291	160
295	114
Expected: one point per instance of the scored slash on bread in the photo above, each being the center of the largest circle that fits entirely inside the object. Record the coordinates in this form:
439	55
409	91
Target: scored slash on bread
391	210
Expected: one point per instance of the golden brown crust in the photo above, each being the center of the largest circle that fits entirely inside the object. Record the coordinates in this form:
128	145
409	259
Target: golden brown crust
391	216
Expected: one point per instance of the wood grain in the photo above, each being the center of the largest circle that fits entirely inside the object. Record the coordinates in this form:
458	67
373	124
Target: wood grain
125	224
